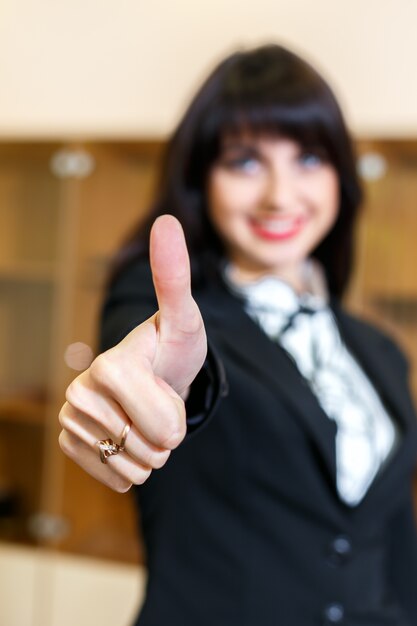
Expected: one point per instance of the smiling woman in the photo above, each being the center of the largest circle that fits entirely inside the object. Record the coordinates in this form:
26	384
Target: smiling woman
272	203
281	427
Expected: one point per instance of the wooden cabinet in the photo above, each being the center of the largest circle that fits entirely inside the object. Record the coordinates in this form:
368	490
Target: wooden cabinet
384	285
29	224
64	209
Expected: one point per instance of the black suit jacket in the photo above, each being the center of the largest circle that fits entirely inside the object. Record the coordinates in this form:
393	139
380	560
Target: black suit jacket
244	526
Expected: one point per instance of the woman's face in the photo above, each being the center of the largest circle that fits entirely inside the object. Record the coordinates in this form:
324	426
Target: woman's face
271	203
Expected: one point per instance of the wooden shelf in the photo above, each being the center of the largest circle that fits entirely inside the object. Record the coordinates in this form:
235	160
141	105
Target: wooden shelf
22	410
27	271
57	237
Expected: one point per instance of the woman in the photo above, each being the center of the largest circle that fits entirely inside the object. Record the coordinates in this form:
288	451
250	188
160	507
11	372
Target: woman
289	499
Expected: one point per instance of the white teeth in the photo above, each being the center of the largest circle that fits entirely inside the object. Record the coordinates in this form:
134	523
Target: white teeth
278	226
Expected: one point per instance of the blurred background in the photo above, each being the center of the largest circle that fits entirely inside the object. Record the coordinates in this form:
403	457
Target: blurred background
89	91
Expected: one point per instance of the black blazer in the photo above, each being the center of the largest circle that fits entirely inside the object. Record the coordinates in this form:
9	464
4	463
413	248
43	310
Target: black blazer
244	525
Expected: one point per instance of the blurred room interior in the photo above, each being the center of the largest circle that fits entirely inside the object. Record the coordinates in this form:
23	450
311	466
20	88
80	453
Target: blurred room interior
90	91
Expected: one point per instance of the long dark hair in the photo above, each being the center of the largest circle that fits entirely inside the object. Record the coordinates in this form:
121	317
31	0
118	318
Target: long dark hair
267	90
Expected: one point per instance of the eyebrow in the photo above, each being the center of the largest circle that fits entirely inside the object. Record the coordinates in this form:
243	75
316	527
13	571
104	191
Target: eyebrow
240	146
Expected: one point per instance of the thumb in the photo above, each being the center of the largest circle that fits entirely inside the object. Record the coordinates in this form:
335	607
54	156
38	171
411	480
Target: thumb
170	264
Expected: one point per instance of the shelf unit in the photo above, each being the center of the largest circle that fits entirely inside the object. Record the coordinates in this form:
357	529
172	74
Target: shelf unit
60	223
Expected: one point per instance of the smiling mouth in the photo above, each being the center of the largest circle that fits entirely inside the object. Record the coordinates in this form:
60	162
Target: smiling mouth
276	228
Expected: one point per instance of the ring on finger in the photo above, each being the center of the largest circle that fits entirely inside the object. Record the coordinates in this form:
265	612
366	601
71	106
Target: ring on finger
109	448
125	433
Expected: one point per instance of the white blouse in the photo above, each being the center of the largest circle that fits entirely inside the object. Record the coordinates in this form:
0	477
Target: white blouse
305	327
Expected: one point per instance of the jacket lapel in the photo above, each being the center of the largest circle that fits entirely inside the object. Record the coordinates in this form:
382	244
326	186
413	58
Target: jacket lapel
239	335
371	350
374	353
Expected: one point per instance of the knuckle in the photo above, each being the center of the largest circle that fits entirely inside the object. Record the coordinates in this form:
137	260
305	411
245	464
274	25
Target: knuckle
66	444
120	485
171	436
164	434
157	459
102	370
64	420
74	393
140	475
172	425
194	322
177	438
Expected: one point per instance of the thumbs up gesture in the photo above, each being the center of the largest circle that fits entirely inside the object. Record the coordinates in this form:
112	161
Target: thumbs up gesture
143	381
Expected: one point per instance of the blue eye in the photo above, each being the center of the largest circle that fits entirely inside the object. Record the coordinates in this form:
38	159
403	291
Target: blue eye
248	165
245	164
310	159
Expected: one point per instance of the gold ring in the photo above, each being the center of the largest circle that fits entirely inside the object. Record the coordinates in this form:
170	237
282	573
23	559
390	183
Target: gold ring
107	448
124	435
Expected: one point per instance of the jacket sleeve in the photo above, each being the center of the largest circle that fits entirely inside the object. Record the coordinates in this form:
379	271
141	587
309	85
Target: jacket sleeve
130	301
402	557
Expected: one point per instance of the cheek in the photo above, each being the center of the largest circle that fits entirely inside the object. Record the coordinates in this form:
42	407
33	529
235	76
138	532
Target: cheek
233	190
226	221
327	198
228	200
334	204
230	194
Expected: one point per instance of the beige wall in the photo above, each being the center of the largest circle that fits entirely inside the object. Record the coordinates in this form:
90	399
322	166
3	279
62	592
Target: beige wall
126	67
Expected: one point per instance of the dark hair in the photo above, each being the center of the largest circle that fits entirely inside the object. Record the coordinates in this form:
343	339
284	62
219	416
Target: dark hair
265	90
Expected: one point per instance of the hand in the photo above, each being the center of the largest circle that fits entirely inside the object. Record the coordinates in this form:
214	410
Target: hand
145	378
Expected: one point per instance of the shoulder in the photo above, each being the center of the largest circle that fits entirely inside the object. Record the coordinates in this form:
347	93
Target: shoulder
368	332
130	299
135	279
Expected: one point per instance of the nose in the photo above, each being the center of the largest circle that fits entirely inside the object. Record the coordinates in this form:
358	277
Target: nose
280	190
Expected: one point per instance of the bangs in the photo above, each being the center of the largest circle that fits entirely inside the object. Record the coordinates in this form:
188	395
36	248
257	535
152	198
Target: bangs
272	92
304	122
